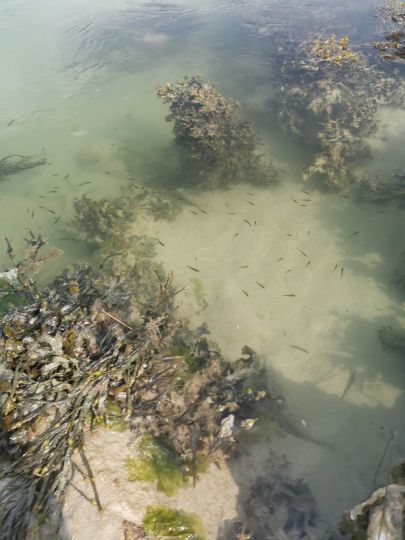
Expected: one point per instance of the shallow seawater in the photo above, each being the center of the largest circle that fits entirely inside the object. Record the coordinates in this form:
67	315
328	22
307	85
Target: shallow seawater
78	84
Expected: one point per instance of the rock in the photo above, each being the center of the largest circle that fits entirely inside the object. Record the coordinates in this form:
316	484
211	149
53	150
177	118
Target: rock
381	517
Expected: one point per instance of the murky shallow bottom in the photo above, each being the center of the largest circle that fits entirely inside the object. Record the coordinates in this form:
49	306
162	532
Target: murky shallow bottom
101	123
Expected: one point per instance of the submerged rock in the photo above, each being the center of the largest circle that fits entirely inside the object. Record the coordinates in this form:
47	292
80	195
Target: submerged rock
381	517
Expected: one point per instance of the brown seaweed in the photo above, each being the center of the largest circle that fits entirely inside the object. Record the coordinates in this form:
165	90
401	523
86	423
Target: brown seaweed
219	147
330	96
393	46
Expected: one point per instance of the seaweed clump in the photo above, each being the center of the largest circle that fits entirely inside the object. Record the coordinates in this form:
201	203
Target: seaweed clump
100	222
329	91
393	48
220	148
75	346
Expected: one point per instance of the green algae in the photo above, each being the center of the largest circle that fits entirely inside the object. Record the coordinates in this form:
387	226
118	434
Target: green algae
112	418
163	522
199	292
156	463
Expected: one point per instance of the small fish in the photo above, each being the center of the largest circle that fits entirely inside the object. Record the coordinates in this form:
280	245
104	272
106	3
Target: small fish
56	174
293	200
252	194
107	172
194	212
250	202
202	211
307	192
32	213
66	177
40	196
308	263
336	265
299	348
57	219
254	223
192	268
160	242
235	235
245	293
53	191
231	213
305	255
307	200
289	270
260	284
248	222
341	272
289	234
350	381
48	209
280	259
290	295
83	183
303	205
245	266
354	234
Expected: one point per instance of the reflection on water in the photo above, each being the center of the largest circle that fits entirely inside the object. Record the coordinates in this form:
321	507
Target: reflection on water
302	276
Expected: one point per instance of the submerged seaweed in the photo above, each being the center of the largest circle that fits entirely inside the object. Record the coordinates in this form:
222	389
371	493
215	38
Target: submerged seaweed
276	507
330	95
393	48
221	148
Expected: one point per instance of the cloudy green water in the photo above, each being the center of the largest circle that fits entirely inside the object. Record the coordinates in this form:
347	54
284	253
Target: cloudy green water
78	80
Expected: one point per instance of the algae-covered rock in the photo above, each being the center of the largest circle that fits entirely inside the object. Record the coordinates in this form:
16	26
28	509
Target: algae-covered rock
163	522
